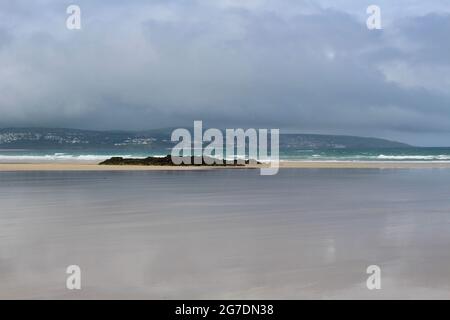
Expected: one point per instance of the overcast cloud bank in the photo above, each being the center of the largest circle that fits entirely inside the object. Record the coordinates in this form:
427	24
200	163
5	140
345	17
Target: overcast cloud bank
305	66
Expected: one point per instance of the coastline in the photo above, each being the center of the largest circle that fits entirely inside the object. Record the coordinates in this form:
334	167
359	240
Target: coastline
93	166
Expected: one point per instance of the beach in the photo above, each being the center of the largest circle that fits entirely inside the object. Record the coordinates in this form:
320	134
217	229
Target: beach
223	233
93	166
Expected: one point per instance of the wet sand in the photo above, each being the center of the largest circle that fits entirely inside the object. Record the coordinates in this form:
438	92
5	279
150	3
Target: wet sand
224	234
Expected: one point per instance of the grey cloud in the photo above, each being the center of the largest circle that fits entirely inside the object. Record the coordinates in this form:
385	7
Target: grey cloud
164	63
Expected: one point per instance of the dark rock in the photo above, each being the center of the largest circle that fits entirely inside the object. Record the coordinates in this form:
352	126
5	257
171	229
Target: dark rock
165	161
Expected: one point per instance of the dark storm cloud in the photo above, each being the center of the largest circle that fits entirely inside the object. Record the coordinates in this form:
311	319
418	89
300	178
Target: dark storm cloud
304	66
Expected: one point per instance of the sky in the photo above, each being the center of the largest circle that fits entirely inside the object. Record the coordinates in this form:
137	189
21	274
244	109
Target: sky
301	66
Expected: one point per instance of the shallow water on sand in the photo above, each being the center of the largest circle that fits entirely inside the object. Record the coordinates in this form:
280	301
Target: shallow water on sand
304	233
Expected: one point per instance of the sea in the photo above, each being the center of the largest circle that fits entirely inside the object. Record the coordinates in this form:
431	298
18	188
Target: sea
411	154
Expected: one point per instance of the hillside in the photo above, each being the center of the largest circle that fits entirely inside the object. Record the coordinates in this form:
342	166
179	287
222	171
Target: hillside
55	138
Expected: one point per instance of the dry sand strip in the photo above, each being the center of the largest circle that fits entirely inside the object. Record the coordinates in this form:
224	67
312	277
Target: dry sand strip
363	164
283	165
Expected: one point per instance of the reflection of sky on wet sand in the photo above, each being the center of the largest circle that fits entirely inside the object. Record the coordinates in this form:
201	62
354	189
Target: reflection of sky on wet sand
226	233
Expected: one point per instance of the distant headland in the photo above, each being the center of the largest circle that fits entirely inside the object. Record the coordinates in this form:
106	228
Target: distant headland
159	139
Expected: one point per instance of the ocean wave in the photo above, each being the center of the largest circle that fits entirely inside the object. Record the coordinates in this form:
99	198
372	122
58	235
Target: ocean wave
383	157
413	157
66	157
59	157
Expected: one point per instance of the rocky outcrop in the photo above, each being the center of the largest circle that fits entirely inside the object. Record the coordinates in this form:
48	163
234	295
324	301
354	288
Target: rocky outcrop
164	161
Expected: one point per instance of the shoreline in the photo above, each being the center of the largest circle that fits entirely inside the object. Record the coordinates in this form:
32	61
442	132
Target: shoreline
91	166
